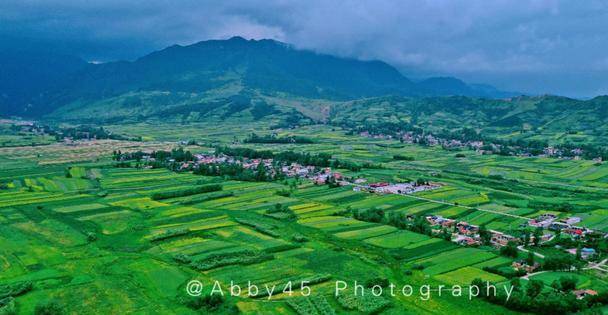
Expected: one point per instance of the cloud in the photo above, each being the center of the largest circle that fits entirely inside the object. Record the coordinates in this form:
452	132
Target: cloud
475	39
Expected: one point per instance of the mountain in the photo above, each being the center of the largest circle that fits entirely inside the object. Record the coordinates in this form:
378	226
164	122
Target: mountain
27	76
236	64
553	118
450	86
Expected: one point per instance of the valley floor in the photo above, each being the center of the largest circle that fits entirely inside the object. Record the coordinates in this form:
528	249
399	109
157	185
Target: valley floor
94	238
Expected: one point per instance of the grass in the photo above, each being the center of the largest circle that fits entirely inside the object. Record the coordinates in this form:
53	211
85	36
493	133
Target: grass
454	259
400	239
467	275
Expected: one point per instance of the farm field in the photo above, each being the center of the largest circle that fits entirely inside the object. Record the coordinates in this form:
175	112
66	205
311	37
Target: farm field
77	227
275	157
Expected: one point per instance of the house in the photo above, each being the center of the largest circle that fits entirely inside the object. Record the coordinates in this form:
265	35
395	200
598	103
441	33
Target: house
546	237
576	231
501	239
557	226
302	172
523	265
573	220
466	228
321	179
465	240
439	220
581	294
544	220
586	253
378	187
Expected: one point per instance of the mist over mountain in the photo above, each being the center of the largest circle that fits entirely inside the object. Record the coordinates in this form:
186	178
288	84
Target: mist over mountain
37	83
27	77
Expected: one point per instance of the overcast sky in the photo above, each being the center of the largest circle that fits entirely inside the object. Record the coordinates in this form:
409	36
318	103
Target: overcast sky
558	47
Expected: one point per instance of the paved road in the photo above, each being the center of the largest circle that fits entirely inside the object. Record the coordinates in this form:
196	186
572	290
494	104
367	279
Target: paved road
601	266
459	206
521	248
527	277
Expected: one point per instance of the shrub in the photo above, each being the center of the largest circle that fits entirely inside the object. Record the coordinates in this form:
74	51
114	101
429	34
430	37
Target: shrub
418	267
283	192
403	157
244	257
7	306
48	308
182	258
366	303
186	192
383	282
311	305
91	237
210	304
15	289
300	238
169	234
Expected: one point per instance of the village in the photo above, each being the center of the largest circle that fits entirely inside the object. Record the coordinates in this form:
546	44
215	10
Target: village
466	234
463	233
547	226
318	175
481	147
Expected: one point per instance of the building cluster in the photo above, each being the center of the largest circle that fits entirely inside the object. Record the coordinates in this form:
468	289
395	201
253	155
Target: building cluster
467	234
478	146
566	226
522	264
316	174
398	188
586	253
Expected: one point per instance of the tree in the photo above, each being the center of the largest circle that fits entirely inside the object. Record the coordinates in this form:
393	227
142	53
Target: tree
421	181
446	235
534	288
421	225
370	215
510	250
555	285
516	284
567	284
260	174
526	238
485	235
538	235
396	219
530	259
558	262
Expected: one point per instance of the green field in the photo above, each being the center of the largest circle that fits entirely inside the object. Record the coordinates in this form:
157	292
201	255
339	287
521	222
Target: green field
81	229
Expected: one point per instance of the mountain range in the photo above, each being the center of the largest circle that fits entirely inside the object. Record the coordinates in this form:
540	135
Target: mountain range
36	83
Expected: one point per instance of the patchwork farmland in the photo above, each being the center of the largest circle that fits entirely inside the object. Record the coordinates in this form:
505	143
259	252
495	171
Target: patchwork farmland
130	237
